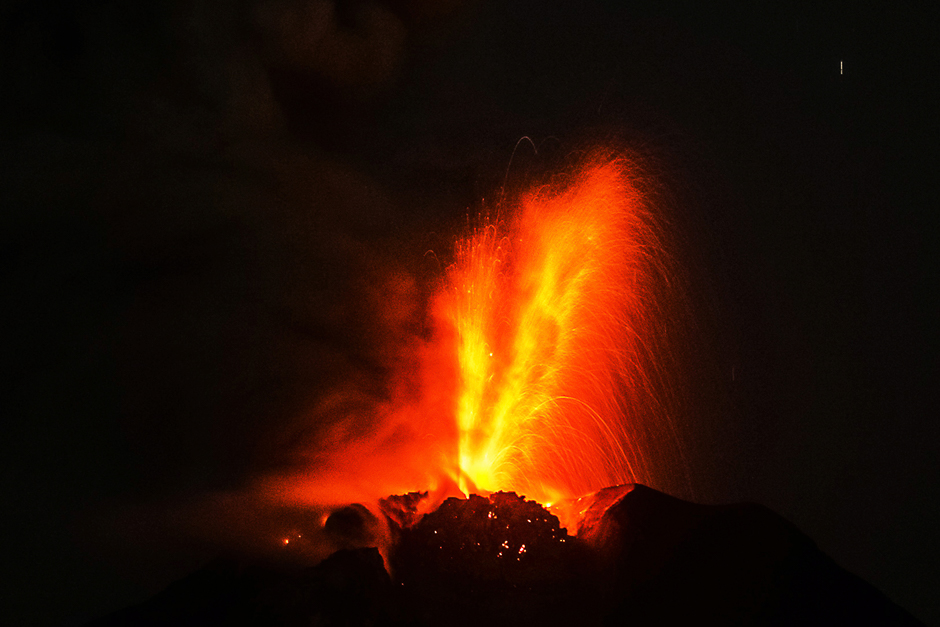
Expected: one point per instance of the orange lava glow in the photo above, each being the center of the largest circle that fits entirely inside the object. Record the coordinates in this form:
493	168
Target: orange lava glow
546	371
550	314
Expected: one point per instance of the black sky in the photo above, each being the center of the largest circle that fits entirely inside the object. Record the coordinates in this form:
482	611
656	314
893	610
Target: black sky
201	213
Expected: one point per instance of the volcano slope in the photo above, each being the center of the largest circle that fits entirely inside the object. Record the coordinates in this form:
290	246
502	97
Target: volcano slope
639	557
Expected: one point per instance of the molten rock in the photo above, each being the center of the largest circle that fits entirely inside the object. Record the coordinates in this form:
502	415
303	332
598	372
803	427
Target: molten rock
496	560
501	538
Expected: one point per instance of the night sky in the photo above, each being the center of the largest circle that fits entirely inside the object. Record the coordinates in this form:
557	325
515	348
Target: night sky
210	209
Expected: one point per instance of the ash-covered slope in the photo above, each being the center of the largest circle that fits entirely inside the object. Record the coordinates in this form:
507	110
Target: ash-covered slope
640	557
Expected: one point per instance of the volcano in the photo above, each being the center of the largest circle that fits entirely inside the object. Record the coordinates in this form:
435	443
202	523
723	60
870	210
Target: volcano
549	373
638	557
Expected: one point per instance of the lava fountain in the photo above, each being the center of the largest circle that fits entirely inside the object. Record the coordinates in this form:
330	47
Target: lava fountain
547	372
552	322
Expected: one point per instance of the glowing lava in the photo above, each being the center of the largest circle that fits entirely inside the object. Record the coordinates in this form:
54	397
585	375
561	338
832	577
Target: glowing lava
548	372
551	320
